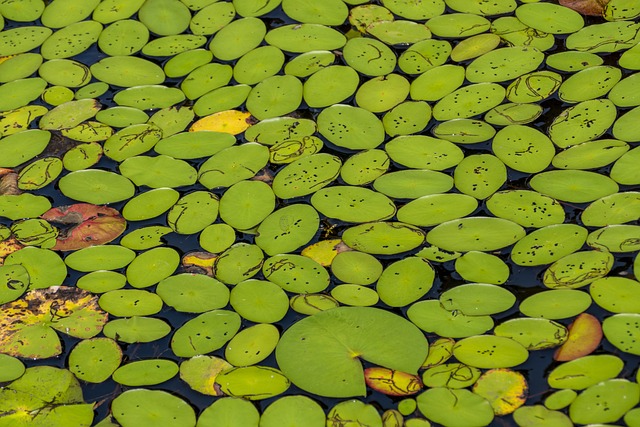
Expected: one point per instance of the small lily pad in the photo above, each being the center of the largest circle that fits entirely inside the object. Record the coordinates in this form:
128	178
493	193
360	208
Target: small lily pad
556	304
95	360
506	390
455	407
585	334
490	351
259	301
583	372
405	281
252	345
220	326
604	402
477	233
481	267
430	316
533	333
145	372
193	293
548	244
138	407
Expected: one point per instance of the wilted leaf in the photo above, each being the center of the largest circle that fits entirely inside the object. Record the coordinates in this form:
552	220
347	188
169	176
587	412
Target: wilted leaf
392	383
586	7
585	334
231	121
83	224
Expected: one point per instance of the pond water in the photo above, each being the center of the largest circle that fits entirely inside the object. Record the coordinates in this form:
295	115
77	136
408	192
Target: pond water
401	87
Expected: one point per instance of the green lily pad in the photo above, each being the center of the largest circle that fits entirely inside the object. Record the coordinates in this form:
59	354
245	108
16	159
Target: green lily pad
193	212
606	37
306	64
252	345
490	351
141	407
556	304
451	376
127	71
200	373
71	40
573	185
275	96
22	39
623	171
423	152
150	204
590	83
158	172
204	79
348	204
112	43
165	17
399	32
455	408
364	167
477	299
355	295
330	85
130	302
292	410
463	102
252	382
586	371
435	209
193	293
173	45
216	238
21	147
230	412
583	122
240	262
550	18
312	303
152	266
614	209
258	64
505	389
477	233
480	175
474	46
220	326
259	301
246	204
530	416
65	72
615	238
548	244
69	114
458	25
351	127
504	64
332	12
45	395
232	165
533	333
407	118
513	114
430	316
424	55
45	267
438	82
369	56
481	267
82	156
287	229
625	92
12	368
96	186
145	372
578	269
296	273
305	38
336	338
573	61
172	120
35	232
121	117
102	281
383	238
29	10
29	324
362	413
185	62
95	360
292	150
101	257
237	38
534	87
590	155
211	18
525	207
145	237
14	281
464	131
136	329
560	399
523	148
356	267
406	281
605	402
616	294
412	184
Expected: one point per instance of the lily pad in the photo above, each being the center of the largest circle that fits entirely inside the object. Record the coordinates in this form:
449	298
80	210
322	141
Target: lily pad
578	269
556	304
139	407
585	334
533	333
259	301
293	410
252	382
430	316
548	244
475	234
481	267
477	299
385	238
252	345
451	376
405	281
221	326
95	360
506	390
296	273
605	402
96	186
317	336
455	408
231	412
193	293
287	229
136	329
586	371
490	351
145	372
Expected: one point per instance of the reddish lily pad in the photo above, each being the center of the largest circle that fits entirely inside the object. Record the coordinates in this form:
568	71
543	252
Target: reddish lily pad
83	224
585	334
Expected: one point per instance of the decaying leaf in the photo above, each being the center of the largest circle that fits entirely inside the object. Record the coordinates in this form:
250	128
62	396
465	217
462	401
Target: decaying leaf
585	334
230	121
199	262
83	224
586	7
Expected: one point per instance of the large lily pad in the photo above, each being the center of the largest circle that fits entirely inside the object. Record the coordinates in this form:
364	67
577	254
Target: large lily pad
333	340
29	324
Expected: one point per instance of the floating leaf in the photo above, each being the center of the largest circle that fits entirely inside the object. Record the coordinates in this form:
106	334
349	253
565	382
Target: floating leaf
454	408
585	334
392	383
585	371
381	346
28	324
506	390
604	402
138	407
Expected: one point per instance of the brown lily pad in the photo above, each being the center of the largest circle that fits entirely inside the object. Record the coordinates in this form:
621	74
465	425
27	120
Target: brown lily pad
585	334
199	262
9	182
84	224
586	7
